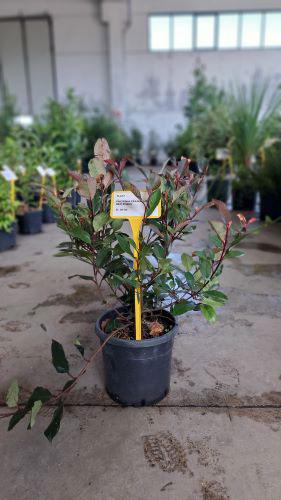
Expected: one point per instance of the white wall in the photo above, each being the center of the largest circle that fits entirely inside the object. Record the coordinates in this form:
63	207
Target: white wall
102	51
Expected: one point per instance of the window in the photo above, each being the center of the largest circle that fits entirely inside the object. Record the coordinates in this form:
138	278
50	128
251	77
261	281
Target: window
273	29
26	61
228	31
223	30
205	32
182	32
251	31
160	32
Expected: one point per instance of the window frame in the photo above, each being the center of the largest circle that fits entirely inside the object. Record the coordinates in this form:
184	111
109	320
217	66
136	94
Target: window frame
22	20
216	14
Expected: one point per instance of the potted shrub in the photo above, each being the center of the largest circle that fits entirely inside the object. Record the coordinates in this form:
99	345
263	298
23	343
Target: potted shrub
268	182
137	372
8	226
253	115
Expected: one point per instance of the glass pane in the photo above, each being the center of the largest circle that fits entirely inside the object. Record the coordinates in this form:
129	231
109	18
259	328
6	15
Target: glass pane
182	32
228	31
273	29
205	33
251	30
12	63
38	46
159	32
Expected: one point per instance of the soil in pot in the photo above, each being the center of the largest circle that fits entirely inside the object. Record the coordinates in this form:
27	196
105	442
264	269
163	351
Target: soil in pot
137	373
218	189
48	215
270	205
8	239
30	222
243	198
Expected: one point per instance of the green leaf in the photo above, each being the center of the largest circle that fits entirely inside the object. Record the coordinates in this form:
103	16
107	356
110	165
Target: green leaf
38	394
205	267
82	276
79	347
187	261
16	418
230	254
158	251
58	358
100	220
182	307
96	167
208	312
216	296
117	224
102	256
124	243
190	279
80	234
13	395
153	202
54	426
34	412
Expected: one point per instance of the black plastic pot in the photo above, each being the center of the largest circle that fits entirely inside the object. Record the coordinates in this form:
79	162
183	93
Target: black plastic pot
218	189
243	198
48	215
8	240
31	222
270	204
137	373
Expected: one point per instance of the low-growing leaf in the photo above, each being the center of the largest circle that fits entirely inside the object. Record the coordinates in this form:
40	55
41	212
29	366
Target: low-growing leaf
182	307
16	418
54	426
216	296
82	276
38	394
68	384
34	412
208	312
13	395
58	358
79	347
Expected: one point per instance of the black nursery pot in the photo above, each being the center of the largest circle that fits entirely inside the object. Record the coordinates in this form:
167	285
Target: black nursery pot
243	198
270	205
30	222
137	373
8	240
48	215
218	189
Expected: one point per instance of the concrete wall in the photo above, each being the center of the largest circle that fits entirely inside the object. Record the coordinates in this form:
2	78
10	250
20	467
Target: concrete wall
102	51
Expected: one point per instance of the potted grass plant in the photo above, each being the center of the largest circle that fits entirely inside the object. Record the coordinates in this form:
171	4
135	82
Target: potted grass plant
254	119
137	372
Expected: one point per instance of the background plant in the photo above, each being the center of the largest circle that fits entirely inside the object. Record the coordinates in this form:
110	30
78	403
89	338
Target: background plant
7	208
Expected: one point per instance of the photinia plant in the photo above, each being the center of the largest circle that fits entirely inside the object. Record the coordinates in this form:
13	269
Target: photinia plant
103	244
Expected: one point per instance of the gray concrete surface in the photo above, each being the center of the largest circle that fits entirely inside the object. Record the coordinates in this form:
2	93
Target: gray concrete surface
216	436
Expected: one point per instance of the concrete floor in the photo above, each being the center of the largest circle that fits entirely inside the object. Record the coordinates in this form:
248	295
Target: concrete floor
217	435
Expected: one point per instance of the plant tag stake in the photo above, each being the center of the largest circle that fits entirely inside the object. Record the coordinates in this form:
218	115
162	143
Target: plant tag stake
125	205
11	177
42	172
51	173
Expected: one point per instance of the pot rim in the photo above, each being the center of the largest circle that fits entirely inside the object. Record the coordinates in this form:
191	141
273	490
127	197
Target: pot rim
135	344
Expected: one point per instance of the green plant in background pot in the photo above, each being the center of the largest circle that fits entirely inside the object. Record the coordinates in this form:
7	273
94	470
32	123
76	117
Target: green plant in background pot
8	208
137	372
8	112
253	121
268	182
136	143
